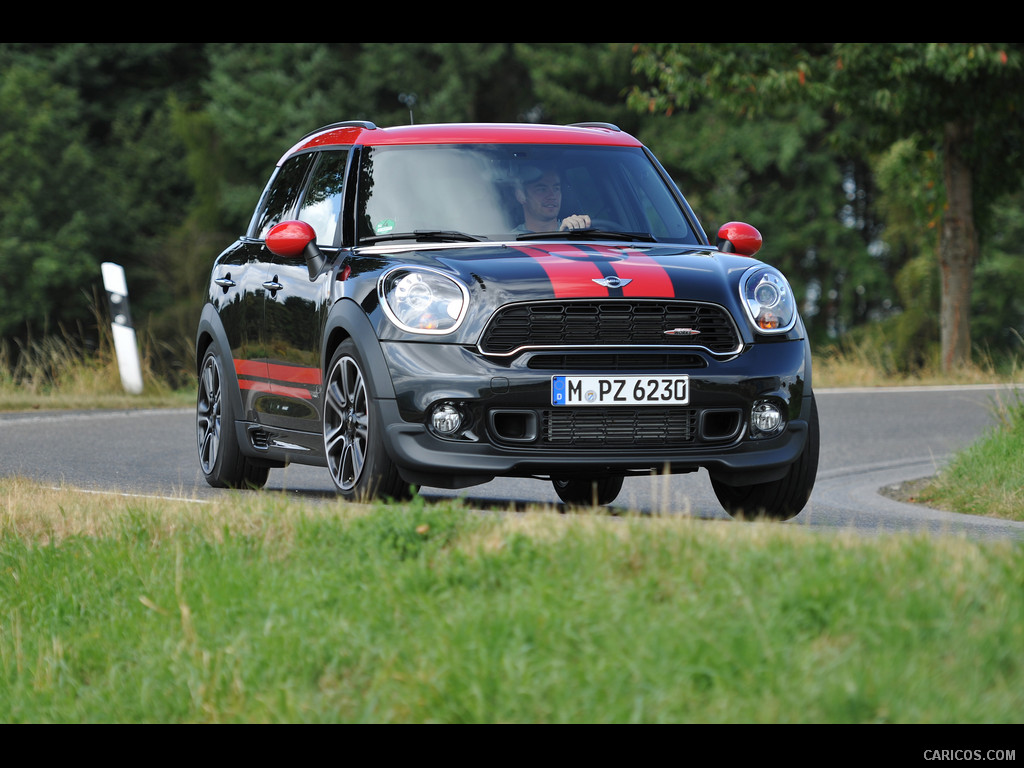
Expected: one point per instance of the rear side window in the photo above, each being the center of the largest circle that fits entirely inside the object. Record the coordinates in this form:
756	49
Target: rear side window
280	196
322	204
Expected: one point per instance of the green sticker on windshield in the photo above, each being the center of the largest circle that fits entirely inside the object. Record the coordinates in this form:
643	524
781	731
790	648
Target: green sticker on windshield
385	227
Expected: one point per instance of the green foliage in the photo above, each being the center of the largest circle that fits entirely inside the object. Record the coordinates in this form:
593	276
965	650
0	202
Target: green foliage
912	197
748	79
259	98
46	238
899	90
576	82
960	101
998	317
810	204
904	342
451	83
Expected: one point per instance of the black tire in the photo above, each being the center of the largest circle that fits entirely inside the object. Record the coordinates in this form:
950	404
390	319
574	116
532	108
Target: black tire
220	459
576	492
782	499
353	435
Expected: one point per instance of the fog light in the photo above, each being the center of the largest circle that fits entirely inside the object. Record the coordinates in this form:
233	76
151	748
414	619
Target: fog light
446	419
765	419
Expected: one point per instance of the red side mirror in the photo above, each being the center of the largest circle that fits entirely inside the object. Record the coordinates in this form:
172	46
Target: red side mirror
737	237
290	238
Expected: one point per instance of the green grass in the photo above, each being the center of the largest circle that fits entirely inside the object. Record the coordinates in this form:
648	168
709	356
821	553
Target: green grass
261	609
987	478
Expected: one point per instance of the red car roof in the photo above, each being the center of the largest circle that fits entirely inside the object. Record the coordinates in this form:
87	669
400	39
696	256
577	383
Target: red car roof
347	134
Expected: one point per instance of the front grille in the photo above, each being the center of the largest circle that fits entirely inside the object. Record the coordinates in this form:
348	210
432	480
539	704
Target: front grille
615	322
607	427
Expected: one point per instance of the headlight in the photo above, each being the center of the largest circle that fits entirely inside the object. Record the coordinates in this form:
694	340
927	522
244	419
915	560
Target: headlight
768	300
420	300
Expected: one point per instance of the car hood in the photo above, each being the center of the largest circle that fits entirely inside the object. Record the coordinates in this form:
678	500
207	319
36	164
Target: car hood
536	271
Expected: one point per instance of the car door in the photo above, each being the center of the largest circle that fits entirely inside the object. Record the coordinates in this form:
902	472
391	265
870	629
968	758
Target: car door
242	275
295	305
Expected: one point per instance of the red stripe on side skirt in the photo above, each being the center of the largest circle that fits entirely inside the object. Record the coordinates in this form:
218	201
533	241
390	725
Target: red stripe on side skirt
251	368
294	374
259	371
275	389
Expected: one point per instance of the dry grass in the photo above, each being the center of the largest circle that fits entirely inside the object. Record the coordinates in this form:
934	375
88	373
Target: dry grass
864	367
61	373
47	516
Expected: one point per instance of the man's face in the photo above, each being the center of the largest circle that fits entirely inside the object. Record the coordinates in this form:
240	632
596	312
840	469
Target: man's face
542	198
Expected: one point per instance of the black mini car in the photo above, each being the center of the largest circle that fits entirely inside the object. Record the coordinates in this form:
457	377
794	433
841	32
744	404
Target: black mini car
440	305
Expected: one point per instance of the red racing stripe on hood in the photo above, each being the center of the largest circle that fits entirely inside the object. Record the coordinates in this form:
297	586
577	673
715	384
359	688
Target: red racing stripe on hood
571	274
646	276
573	270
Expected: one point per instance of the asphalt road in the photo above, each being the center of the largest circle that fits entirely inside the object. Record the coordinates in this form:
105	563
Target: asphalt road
870	439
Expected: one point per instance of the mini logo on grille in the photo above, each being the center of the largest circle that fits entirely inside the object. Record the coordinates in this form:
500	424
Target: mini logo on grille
682	332
613	282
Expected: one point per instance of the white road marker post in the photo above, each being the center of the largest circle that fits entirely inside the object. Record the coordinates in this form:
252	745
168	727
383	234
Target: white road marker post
125	343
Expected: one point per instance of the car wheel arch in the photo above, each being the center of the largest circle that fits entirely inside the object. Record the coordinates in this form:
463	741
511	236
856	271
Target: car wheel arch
226	456
211	331
347	320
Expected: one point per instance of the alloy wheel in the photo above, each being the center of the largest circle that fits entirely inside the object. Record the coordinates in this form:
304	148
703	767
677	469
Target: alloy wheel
208	414
346	423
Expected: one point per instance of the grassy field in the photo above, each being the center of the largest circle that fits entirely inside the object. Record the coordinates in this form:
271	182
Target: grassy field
259	609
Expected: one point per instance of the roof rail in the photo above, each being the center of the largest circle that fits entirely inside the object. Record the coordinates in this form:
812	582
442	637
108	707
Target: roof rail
606	126
343	124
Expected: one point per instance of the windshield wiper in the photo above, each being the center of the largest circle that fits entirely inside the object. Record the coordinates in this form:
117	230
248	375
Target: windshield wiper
590	234
425	235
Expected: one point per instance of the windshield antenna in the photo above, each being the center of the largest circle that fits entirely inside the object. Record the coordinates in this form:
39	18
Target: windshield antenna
409	100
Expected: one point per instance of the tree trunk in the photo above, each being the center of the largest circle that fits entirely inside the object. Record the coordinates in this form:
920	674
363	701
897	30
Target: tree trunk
958	249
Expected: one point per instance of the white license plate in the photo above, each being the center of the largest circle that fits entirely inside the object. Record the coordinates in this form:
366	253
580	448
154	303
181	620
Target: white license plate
620	390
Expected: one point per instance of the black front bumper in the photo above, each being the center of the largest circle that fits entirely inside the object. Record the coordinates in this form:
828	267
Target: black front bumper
513	430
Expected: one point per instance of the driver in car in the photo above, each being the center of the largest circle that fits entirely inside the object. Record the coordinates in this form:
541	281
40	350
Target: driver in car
539	191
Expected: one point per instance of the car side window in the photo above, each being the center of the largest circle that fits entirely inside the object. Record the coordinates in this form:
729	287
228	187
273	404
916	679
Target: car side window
280	195
321	207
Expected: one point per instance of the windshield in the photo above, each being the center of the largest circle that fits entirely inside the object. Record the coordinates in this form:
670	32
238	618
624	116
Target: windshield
509	191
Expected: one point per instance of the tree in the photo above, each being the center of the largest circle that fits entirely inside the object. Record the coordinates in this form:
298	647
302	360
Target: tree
261	96
46	235
577	82
91	173
962	98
